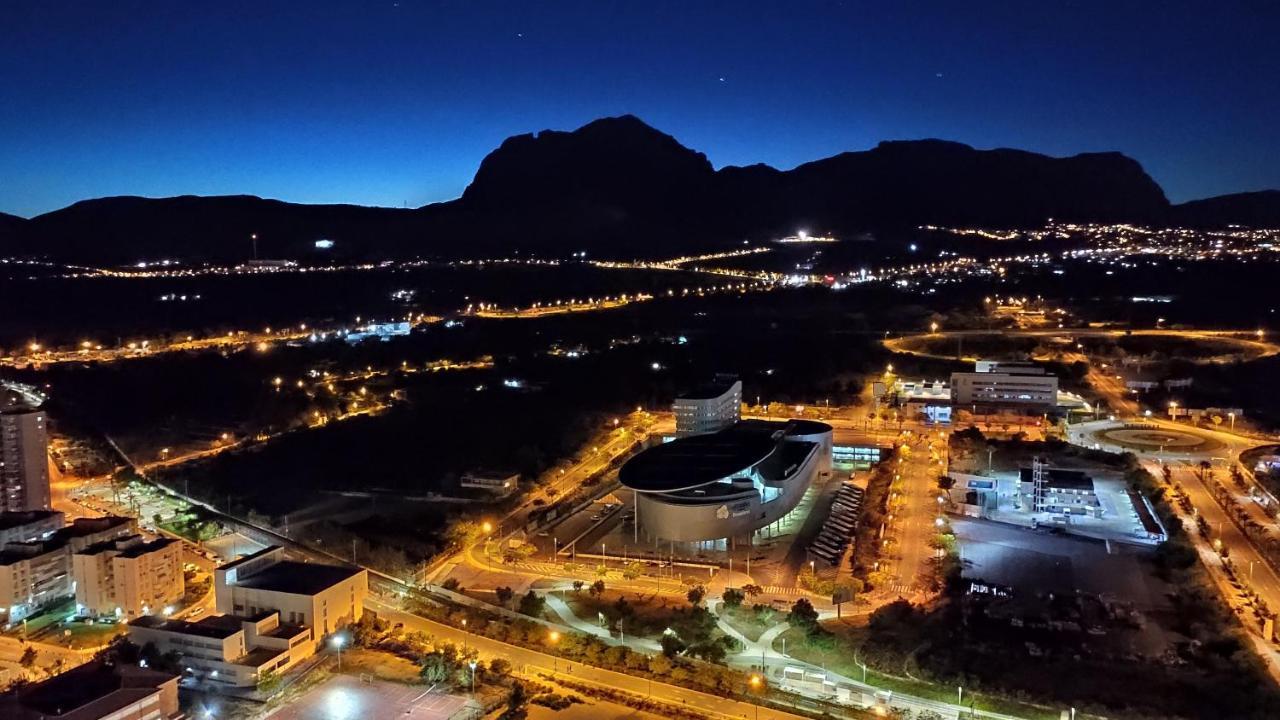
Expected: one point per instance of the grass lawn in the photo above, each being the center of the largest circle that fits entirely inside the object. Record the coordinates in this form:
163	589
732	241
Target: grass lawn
382	665
842	659
750	623
651	614
43	619
80	635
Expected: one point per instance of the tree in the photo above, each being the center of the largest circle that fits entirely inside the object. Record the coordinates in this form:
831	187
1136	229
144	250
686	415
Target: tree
500	668
597	588
732	598
752	590
671	645
517	704
803	615
505	595
268	682
577	585
532	604
29	656
695	595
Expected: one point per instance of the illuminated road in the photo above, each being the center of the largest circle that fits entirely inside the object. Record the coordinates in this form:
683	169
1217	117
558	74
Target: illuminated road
532	663
1258	347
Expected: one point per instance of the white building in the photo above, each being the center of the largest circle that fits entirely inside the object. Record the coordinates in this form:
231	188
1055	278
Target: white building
128	577
323	597
712	407
996	385
37	573
498	482
24	460
274	611
224	649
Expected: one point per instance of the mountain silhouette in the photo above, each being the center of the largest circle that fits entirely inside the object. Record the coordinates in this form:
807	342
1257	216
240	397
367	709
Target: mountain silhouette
617	187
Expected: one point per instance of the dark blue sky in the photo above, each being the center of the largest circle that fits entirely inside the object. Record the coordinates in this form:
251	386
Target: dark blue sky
397	102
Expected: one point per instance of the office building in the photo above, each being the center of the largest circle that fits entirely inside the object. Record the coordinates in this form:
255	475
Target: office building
24	460
225	649
97	690
127	577
726	485
995	386
710	408
322	597
29	525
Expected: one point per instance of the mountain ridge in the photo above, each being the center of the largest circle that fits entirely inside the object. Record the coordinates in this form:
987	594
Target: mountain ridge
619	187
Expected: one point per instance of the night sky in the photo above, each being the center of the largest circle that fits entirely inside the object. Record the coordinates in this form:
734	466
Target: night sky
391	103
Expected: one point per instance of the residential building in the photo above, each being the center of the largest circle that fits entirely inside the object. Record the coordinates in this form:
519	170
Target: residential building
97	690
29	525
36	573
323	597
24	460
127	577
707	409
226	649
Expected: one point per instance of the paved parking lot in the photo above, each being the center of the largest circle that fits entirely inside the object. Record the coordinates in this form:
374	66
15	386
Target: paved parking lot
348	698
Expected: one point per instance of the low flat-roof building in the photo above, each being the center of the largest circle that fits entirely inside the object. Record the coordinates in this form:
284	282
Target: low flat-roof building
226	649
500	483
127	577
97	690
323	597
1060	491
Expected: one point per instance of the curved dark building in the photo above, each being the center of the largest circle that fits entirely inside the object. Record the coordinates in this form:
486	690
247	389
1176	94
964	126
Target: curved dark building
726	484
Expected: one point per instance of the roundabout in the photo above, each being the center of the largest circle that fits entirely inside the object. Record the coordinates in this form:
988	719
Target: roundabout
1152	438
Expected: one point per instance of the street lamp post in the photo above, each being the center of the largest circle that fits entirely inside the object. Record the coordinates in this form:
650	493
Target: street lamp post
337	642
552	639
756	684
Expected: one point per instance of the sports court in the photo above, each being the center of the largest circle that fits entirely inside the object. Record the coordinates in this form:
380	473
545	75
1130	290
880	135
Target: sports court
349	698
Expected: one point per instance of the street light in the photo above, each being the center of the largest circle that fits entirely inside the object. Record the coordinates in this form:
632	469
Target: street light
552	638
337	642
757	683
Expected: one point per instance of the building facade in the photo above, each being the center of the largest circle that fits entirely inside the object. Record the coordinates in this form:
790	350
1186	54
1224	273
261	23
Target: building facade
97	690
227	650
996	386
322	597
710	408
128	577
729	484
29	525
37	573
24	460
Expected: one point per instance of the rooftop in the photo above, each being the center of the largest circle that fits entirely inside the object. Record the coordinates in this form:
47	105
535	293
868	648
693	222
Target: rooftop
13	519
714	388
1061	479
690	462
298	578
89	692
218	627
